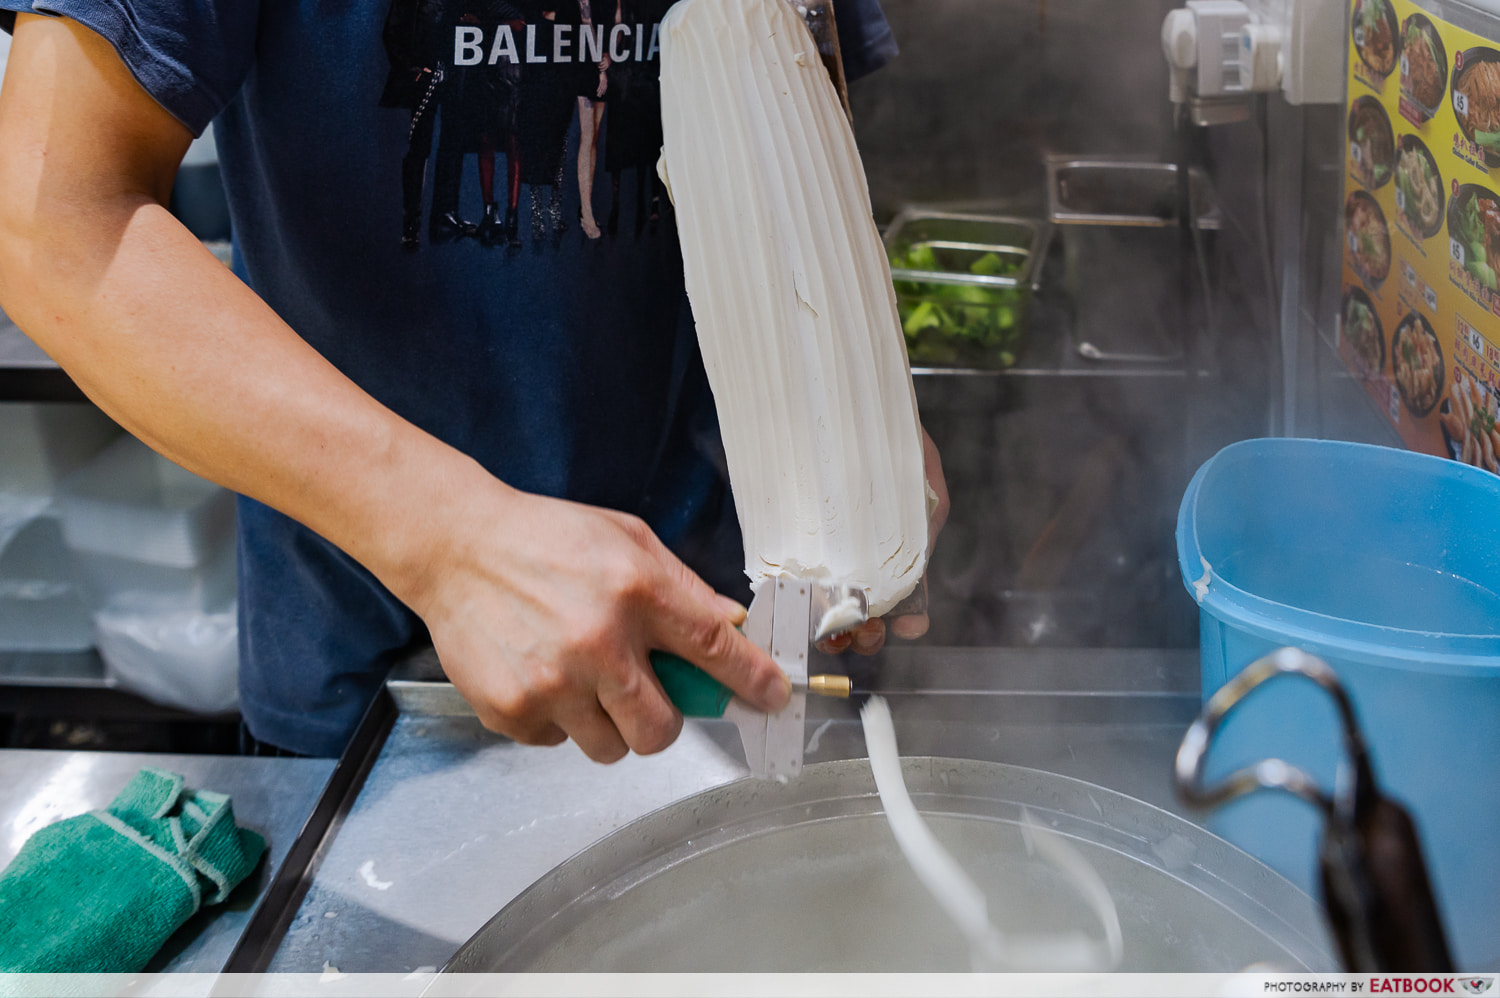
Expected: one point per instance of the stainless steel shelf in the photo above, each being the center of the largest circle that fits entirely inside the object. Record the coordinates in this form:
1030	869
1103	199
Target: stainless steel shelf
57	669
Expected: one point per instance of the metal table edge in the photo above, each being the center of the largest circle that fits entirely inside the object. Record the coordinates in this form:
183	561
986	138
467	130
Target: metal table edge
278	906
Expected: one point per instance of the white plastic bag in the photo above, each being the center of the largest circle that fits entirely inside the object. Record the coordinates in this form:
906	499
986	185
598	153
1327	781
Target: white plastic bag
182	658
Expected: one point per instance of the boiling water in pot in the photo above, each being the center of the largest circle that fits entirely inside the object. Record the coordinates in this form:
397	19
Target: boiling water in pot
838	896
808	877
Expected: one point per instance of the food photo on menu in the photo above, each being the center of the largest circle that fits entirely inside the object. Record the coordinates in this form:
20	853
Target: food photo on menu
1474	228
1372	148
1360	328
1424	64
1419	187
1468	419
1476	100
1368	238
1375	35
1417	363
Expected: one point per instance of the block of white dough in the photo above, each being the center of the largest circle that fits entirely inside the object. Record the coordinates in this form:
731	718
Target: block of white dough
791	292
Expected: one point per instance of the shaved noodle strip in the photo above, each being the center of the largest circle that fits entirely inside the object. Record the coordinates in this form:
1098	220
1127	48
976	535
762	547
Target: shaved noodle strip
939	872
963	901
1075	949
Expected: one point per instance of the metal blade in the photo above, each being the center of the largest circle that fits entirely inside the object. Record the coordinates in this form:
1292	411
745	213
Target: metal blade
752	727
786	616
785	730
777	622
758	621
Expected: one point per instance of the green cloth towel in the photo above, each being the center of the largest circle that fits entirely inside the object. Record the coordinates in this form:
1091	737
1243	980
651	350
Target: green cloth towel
101	893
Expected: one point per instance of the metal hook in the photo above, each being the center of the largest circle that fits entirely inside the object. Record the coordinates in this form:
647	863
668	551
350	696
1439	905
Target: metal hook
1273	774
1374	881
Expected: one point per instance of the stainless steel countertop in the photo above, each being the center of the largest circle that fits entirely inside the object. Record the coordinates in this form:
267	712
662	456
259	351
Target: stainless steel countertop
453	822
272	796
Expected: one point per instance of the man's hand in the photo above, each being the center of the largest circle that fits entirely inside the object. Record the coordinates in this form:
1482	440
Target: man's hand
544	613
869	637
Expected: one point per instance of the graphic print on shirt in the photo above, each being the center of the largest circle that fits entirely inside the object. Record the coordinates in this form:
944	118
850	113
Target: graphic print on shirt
505	81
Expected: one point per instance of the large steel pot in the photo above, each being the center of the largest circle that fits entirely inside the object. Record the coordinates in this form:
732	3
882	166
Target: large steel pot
806	876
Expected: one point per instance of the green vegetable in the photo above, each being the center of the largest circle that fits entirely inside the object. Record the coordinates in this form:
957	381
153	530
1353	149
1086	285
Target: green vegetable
924	316
1490	140
1471	234
974	295
959	323
1485	273
919	257
1470	225
990	265
1404	185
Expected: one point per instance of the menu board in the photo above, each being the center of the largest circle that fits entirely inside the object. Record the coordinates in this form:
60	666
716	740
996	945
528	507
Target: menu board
1419	320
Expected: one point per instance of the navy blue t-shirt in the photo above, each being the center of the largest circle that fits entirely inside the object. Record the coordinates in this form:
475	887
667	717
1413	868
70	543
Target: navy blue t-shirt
403	178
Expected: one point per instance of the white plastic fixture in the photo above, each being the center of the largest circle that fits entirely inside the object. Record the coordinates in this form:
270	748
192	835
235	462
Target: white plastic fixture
1222	49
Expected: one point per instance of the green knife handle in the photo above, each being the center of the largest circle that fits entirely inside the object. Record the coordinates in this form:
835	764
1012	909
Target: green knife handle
691	690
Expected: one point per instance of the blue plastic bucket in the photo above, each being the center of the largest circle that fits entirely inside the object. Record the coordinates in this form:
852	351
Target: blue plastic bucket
1386	564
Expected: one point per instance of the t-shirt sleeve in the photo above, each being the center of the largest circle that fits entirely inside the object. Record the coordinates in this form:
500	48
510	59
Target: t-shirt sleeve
190	55
865	39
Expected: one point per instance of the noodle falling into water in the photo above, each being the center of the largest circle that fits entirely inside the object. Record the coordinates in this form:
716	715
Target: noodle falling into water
961	898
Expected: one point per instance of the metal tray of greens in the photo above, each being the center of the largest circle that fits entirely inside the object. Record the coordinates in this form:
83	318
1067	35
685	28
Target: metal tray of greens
964	284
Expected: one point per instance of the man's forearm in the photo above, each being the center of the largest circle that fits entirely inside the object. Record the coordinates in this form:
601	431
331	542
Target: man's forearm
175	348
